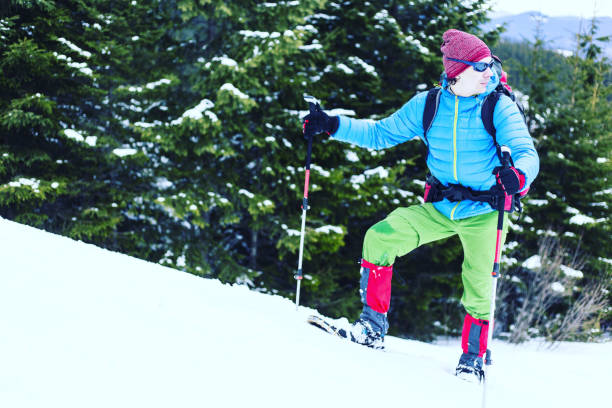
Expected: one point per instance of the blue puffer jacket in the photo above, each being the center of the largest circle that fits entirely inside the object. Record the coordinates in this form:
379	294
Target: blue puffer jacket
461	151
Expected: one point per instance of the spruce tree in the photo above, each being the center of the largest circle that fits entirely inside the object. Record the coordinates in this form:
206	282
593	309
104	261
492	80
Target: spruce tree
141	65
55	168
570	122
375	56
66	116
232	158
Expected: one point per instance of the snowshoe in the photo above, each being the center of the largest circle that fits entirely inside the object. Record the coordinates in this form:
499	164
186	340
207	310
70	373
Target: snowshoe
470	368
360	332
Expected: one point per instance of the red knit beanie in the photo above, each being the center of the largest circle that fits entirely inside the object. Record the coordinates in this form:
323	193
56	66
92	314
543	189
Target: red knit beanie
461	45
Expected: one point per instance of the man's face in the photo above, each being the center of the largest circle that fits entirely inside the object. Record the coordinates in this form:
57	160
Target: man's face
472	82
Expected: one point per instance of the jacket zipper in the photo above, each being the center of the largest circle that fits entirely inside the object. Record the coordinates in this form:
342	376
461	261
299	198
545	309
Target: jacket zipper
452	214
455	138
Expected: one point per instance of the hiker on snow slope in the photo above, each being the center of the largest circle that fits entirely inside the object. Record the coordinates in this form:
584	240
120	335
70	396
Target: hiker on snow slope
460	151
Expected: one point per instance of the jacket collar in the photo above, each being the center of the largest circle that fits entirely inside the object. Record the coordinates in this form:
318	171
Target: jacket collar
493	82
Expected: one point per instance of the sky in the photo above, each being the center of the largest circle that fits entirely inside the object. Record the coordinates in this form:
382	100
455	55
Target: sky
555	8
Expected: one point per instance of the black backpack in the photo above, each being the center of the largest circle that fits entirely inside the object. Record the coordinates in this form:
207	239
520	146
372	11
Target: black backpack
436	191
488	106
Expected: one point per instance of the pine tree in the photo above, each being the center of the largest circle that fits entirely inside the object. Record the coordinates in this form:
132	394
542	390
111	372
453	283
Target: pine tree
574	145
232	158
375	56
54	168
570	121
141	63
66	116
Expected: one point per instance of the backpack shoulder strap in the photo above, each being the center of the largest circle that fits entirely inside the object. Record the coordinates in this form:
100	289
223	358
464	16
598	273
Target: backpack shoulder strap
486	113
431	108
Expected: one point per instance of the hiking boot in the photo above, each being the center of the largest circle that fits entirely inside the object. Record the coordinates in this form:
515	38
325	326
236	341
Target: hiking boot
361	332
470	368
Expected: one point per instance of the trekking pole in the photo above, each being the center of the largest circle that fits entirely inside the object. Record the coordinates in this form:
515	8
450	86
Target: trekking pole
504	205
313	105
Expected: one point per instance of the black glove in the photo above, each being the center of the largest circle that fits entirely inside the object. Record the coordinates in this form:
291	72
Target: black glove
511	179
318	122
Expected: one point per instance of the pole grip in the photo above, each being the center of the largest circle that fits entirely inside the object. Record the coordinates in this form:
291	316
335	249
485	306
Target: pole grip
309	152
505	156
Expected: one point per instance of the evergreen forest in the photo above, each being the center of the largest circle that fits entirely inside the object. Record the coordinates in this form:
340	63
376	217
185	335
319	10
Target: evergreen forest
170	130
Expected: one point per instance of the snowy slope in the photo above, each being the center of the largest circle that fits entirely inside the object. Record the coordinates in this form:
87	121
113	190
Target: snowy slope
84	327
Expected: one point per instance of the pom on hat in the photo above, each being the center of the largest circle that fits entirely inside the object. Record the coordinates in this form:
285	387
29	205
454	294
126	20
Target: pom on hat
461	45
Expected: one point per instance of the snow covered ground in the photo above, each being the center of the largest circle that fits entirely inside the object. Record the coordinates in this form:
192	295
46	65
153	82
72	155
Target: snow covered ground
84	327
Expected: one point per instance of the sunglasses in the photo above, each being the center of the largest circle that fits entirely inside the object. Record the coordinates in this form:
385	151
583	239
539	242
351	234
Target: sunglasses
478	66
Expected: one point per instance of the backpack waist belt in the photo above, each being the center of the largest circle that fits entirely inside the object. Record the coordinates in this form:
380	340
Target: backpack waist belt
436	191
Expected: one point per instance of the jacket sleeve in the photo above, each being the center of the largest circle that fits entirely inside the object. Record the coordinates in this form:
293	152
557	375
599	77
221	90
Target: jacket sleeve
512	132
401	126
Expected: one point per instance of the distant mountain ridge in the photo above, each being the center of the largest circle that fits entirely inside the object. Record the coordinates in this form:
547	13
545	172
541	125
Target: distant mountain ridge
559	32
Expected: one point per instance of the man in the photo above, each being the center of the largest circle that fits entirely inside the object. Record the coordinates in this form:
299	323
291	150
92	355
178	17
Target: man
461	152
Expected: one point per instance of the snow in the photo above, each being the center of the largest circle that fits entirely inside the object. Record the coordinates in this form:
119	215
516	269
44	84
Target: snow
537	202
357	179
533	262
323	16
150	85
320	170
422	49
351	156
80	66
571	272
308	27
163	183
246	193
404	193
225	60
340	111
74	135
345	69
197	112
22	181
85	327
265	203
557	287
331	112
290	232
310	47
73	47
330	228
367	67
231	88
259	34
380	171
125	151
565	53
148	125
581	219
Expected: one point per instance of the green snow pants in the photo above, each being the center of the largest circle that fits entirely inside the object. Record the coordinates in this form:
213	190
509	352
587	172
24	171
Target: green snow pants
407	228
